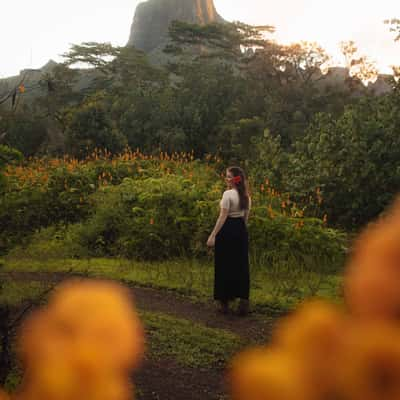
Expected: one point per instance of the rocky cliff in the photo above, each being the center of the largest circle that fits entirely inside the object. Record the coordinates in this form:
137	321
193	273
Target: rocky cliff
153	17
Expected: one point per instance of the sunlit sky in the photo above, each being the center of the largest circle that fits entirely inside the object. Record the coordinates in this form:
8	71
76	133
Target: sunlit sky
32	32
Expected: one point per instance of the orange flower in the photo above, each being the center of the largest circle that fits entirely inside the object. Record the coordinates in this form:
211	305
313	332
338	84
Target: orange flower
271	211
82	345
314	334
151	221
266	374
370	369
372	284
3	395
299	224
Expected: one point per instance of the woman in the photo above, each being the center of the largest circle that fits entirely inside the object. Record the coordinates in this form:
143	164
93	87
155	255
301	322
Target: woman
230	239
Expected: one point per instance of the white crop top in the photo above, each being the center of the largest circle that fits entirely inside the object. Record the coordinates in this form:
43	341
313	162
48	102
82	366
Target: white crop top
231	202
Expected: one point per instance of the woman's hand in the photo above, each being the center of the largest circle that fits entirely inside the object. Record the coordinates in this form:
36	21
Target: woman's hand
211	241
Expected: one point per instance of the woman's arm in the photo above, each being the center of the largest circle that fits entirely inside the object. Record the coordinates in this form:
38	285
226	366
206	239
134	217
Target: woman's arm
223	215
247	212
246	216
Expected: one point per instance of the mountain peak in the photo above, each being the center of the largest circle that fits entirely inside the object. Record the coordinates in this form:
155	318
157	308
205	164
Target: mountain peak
153	17
49	66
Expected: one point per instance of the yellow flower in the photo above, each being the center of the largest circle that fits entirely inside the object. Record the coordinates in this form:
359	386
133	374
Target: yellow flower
82	345
110	321
51	380
371	367
3	395
372	285
315	335
266	374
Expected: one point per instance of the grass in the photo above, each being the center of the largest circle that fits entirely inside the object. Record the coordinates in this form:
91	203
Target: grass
13	293
189	344
272	288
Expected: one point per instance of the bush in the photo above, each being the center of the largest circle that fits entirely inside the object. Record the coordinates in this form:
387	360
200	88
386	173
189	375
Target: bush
152	218
149	208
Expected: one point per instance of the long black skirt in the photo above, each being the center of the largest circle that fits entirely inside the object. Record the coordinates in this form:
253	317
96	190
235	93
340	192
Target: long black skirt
231	260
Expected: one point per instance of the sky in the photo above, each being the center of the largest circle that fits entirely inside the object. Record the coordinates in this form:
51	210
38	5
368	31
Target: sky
32	32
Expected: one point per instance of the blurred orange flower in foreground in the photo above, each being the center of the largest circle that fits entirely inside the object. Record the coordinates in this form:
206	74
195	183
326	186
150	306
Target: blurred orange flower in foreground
322	352
267	374
313	334
370	364
372	286
3	395
83	345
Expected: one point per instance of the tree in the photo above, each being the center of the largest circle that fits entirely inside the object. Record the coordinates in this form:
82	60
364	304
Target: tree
394	27
353	159
287	85
8	155
23	130
222	41
132	91
359	67
60	94
90	127
279	84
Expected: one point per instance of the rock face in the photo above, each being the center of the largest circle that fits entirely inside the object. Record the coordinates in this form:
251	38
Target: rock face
153	17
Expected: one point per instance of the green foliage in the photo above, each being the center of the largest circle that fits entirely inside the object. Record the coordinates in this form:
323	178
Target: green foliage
8	155
97	55
175	215
217	40
282	237
152	218
60	96
36	197
53	242
268	159
199	117
91	127
24	130
139	207
353	159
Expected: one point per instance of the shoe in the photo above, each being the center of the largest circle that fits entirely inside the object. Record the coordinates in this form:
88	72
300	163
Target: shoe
223	307
243	308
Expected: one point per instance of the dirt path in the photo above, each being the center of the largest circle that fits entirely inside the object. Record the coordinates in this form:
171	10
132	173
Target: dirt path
251	328
165	379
